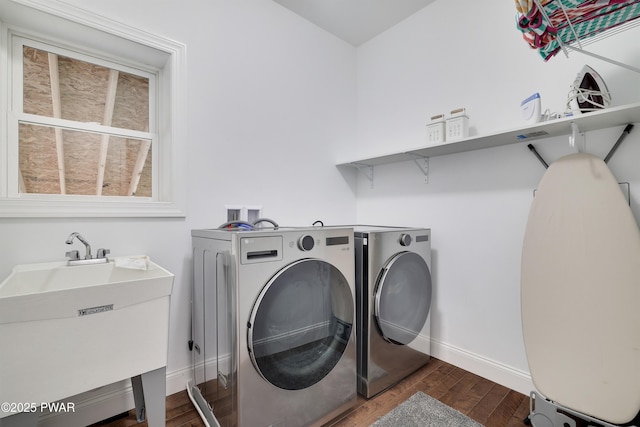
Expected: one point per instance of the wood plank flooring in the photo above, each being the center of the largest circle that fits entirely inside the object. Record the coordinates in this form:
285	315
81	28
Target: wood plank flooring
486	402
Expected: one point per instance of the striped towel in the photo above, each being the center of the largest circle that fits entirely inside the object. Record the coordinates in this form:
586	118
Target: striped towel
587	18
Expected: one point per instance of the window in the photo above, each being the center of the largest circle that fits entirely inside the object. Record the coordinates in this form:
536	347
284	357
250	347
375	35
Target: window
57	152
92	116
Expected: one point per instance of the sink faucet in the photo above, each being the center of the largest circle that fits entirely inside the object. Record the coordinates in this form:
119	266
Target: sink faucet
74	256
86	244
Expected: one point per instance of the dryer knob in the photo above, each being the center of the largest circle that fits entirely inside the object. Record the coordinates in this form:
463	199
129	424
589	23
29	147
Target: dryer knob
405	239
306	243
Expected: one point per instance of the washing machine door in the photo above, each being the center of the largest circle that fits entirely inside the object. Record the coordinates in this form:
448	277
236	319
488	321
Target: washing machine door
300	324
402	297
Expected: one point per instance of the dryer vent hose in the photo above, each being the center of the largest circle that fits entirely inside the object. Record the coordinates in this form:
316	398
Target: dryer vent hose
245	225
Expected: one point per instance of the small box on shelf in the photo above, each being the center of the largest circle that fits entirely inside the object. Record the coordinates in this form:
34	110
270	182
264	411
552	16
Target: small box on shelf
436	130
457	125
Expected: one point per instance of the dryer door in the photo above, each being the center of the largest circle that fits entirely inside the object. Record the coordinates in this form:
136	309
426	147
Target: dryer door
300	324
402	297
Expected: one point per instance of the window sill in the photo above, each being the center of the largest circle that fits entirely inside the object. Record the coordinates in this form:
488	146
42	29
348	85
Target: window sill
46	208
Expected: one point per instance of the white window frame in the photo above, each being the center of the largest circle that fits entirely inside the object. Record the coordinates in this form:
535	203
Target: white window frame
17	116
79	31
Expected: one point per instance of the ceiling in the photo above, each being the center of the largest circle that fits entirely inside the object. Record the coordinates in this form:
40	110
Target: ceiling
355	21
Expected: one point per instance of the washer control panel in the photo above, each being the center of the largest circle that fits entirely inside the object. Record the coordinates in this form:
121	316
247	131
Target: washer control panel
306	243
405	239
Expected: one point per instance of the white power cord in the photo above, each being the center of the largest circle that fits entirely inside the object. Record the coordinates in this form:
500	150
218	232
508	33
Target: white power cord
549	115
589	96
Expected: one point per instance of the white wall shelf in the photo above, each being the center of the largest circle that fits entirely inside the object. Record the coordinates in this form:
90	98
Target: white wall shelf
610	117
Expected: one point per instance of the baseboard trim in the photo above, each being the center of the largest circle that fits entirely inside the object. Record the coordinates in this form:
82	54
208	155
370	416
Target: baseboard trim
497	372
108	401
105	402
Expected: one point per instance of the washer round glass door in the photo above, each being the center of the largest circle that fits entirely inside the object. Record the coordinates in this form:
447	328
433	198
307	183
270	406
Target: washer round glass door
402	297
300	324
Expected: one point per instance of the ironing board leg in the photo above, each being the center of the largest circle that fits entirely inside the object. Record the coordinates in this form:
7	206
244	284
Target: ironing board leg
546	414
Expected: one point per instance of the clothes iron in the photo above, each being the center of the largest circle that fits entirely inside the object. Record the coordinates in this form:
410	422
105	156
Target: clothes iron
588	92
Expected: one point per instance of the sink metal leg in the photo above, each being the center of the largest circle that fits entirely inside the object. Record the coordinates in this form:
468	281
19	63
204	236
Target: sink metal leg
23	419
138	397
149	394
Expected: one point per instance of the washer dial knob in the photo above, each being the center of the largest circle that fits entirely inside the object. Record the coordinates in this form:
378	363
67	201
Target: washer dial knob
306	243
405	239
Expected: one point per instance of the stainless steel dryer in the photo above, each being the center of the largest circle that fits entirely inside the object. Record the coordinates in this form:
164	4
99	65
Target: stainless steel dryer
393	301
273	326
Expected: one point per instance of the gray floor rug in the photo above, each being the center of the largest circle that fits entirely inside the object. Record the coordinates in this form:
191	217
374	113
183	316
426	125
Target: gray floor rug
421	410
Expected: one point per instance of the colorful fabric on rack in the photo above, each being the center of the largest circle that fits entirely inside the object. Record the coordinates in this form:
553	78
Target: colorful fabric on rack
533	24
524	6
567	21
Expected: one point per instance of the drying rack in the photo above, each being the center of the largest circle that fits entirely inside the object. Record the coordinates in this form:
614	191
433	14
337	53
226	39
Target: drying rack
580	22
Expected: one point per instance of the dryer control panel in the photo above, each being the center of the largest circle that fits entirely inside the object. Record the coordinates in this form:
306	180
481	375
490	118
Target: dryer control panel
405	239
260	249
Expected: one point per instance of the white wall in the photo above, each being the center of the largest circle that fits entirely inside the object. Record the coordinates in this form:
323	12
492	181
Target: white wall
270	106
274	103
470	54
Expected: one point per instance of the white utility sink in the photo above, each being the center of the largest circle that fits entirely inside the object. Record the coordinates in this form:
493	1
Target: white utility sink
57	290
69	329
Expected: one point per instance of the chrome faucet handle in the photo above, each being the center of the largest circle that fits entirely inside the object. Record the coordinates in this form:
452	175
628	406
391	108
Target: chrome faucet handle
86	244
72	255
102	253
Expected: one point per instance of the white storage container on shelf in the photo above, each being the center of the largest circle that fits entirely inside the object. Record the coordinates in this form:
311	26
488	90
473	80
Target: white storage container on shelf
436	130
457	125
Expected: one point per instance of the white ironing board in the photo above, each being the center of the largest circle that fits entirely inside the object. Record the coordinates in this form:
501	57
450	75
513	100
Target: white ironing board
580	291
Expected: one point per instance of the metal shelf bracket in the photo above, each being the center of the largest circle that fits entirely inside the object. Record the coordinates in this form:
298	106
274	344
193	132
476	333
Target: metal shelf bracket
367	171
422	163
576	134
625	132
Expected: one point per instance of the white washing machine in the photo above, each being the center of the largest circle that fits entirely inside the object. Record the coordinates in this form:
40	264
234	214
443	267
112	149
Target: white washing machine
393	302
273	337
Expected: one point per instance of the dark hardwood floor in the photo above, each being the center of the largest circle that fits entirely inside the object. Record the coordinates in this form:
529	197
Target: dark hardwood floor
486	402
